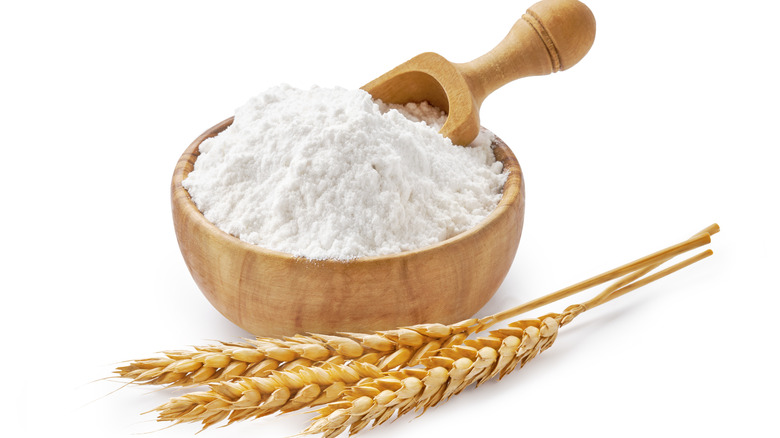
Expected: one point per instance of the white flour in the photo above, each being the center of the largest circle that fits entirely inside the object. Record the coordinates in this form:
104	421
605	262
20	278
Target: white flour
329	173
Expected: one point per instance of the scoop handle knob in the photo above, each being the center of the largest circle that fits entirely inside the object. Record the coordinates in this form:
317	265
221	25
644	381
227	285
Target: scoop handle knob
551	36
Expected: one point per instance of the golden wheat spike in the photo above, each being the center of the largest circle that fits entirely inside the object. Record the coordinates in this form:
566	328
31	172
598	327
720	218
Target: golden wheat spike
366	379
262	356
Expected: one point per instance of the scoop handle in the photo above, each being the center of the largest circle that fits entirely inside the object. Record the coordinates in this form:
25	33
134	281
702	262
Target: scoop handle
551	36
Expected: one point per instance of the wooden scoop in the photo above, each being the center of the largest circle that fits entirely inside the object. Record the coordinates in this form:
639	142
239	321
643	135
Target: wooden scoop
552	35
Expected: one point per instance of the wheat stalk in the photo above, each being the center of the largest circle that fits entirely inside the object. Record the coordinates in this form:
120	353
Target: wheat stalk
373	401
307	386
386	349
365	379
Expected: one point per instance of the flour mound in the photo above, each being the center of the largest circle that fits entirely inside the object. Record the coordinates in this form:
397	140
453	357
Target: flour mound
332	174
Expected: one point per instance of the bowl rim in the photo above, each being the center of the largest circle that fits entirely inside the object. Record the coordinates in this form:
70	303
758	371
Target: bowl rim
513	192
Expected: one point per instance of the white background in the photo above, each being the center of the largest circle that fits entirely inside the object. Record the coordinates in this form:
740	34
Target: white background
669	124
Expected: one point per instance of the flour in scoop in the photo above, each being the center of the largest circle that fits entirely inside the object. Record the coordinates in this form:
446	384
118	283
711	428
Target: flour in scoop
332	174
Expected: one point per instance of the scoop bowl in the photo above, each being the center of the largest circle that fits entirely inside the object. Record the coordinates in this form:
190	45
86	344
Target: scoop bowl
551	36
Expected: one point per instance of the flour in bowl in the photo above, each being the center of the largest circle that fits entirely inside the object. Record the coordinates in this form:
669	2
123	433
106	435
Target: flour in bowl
332	174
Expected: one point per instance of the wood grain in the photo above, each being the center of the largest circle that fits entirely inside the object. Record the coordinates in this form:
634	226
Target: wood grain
273	293
551	36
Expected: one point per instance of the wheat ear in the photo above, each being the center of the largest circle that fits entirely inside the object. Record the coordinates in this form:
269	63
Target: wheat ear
373	401
386	349
262	356
253	397
298	388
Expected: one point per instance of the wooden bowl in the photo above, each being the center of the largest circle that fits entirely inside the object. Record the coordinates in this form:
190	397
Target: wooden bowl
273	293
